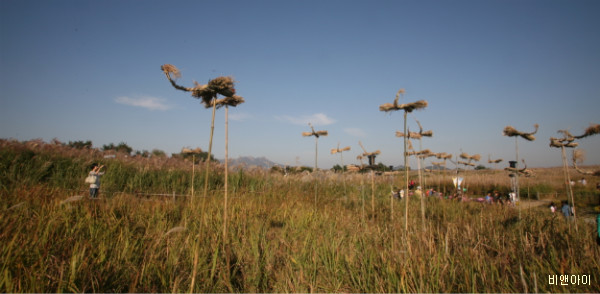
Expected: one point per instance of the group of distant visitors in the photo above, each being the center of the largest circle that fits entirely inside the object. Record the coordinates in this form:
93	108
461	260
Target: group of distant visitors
567	210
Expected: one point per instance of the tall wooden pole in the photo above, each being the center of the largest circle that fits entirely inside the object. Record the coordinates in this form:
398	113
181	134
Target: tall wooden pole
226	174
568	183
406	178
212	131
315	171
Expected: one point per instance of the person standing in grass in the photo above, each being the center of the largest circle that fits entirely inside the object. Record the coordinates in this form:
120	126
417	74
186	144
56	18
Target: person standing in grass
566	209
94	179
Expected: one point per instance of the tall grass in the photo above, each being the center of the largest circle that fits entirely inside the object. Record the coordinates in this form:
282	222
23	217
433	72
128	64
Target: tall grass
278	242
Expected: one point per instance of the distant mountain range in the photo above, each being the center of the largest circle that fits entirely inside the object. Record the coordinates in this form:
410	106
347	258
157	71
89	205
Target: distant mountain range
249	161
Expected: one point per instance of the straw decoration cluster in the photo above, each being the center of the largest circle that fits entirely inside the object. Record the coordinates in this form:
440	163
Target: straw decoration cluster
424	133
524	171
408	107
411	135
466	156
466	163
338	150
563	142
568	140
593	129
191	151
316	134
220	85
490	160
579	156
376	152
352	168
443	155
367	154
510	131
423	153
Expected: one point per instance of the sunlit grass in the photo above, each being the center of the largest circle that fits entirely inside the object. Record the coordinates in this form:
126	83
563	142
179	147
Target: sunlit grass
277	240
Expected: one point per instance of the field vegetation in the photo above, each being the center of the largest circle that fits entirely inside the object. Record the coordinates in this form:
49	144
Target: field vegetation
278	240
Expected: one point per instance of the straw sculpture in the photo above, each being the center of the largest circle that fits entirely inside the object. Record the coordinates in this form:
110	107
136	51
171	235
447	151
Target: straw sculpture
509	131
411	135
367	154
424	133
353	168
191	151
466	156
593	129
524	171
567	141
579	156
219	85
423	153
408	107
371	156
490	160
317	134
466	163
338	150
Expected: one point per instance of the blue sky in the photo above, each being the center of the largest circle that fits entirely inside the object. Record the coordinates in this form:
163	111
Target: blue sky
90	70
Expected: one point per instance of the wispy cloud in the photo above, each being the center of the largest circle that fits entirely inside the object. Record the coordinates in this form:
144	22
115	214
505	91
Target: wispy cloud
239	116
317	119
356	132
151	103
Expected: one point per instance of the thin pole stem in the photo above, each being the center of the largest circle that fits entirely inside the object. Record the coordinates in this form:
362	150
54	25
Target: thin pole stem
315	171
212	131
406	179
568	183
226	174
422	195
193	176
372	193
517	193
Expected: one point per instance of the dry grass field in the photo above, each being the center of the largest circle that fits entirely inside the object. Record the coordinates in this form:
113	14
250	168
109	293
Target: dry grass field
277	239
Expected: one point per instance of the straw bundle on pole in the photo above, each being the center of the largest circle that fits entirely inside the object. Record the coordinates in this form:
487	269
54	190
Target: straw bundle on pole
566	142
317	134
371	156
593	129
208	94
494	161
340	151
194	152
408	107
579	156
509	131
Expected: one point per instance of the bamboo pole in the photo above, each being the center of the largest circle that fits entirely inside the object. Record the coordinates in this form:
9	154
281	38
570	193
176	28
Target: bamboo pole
193	175
568	183
406	179
212	131
226	174
316	168
422	194
372	193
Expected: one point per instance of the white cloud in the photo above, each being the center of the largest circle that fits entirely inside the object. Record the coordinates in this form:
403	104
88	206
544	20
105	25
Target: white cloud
151	103
239	116
317	119
356	132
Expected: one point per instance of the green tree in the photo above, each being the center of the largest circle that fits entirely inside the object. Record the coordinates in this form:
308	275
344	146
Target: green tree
80	144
